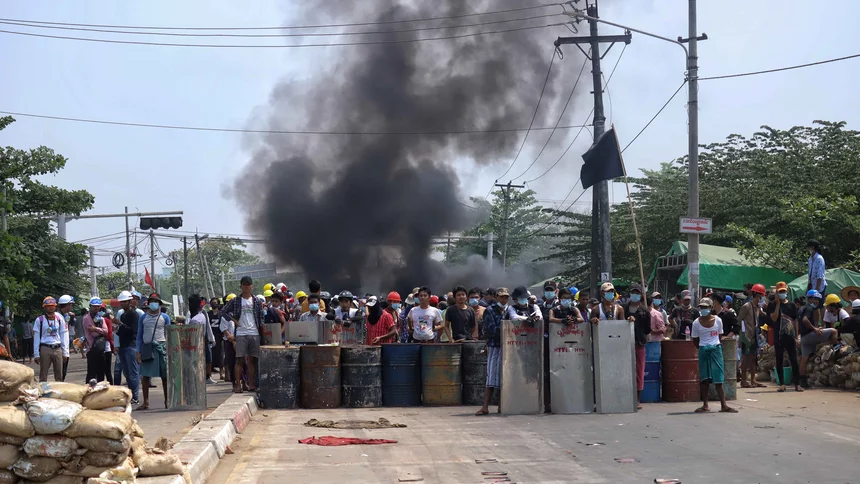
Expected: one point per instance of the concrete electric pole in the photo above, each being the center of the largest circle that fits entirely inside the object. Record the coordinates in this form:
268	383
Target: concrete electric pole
506	189
693	146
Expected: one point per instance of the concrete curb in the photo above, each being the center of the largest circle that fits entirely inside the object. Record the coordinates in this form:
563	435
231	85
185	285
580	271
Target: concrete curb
161	480
204	445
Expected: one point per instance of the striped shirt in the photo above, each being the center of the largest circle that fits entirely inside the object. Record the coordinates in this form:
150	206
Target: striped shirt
381	328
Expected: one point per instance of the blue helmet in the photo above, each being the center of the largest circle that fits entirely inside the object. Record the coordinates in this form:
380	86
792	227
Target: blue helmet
574	291
729	299
813	293
95	301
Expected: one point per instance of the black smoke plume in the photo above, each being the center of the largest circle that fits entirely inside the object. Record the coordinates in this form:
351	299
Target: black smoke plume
359	211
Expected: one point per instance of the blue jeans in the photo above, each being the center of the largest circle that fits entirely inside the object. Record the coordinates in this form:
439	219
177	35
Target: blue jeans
127	358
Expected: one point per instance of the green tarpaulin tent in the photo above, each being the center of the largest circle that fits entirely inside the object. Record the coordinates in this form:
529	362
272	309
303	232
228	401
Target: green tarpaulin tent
725	268
837	279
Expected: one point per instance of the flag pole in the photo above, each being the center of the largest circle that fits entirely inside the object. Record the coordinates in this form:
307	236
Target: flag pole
632	212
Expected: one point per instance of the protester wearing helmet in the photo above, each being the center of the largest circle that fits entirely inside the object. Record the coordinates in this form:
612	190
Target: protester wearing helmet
749	316
783	320
301	299
345	313
811	332
50	341
394	304
834	315
64	305
99	347
276	313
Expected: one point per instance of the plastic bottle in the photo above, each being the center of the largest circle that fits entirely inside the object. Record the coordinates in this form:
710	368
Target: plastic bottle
687	334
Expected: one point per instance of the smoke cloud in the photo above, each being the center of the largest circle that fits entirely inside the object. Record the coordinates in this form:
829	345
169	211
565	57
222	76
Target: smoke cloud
359	211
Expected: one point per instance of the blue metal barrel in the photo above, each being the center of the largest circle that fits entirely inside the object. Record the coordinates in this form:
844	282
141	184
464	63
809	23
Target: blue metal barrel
653	373
401	375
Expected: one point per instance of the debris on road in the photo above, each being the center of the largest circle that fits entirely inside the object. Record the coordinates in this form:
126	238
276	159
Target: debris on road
329	440
382	423
667	481
625	461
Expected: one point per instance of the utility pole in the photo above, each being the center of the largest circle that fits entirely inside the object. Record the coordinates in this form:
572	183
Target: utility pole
448	249
224	286
94	287
185	265
127	251
601	246
152	258
506	193
693	146
490	250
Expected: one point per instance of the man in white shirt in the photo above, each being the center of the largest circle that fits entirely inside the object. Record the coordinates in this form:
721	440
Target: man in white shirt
423	319
50	341
706	332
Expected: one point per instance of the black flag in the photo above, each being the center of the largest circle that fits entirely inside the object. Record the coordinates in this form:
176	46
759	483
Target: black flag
602	160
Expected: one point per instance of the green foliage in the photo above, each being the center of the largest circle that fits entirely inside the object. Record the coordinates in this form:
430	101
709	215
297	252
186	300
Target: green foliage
118	280
33	261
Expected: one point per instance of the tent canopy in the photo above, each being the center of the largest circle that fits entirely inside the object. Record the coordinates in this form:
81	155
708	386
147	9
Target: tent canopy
726	268
837	279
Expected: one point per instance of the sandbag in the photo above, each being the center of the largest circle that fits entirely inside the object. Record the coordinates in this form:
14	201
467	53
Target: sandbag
136	430
60	479
9	454
12	375
105	445
154	463
104	459
107	396
124	472
11	439
8	477
55	446
38	469
50	416
63	391
14	421
95	423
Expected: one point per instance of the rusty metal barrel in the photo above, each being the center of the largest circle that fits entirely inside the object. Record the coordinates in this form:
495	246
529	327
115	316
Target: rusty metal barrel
271	334
320	382
401	375
361	374
680	361
441	376
730	370
474	372
279	376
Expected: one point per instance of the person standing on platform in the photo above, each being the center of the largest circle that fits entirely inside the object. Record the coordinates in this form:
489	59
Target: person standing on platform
731	326
380	327
424	319
783	319
659	319
749	316
492	330
394	308
607	309
637	313
246	311
50	341
706	332
314	312
816	278
460	317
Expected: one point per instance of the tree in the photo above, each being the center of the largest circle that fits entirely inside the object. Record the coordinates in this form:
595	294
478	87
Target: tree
222	254
112	283
33	261
526	222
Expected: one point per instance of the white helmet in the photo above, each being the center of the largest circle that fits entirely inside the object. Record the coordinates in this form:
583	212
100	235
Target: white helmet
281	287
261	297
65	299
124	296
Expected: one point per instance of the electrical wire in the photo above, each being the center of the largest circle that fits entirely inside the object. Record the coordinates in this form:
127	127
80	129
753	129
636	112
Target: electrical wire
312	34
97	237
534	116
584	126
559	215
655	116
274	46
780	69
287	27
560	116
269	131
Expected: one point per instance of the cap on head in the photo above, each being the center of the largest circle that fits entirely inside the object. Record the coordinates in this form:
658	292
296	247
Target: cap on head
550	286
781	286
246	281
502	291
636	287
155	297
705	302
655	295
608	287
434	299
520	292
371	301
685	294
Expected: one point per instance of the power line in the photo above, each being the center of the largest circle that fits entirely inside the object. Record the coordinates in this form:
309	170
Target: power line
560	212
584	126
274	46
534	116
780	69
270	131
312	34
97	237
655	116
288	27
560	116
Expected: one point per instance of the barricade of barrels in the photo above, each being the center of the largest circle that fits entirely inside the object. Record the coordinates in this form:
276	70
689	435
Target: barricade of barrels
355	376
672	372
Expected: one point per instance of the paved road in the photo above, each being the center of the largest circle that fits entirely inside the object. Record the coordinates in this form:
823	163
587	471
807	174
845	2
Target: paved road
157	421
813	437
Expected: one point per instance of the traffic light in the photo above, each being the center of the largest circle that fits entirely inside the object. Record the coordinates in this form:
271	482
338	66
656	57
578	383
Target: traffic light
148	223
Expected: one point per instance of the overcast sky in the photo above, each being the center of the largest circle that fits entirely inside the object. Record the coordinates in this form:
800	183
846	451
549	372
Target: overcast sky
157	170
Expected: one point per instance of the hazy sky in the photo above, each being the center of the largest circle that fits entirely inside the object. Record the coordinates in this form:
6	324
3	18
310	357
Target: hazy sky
157	170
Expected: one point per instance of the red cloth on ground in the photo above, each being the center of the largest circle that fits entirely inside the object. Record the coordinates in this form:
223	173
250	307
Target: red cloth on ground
328	440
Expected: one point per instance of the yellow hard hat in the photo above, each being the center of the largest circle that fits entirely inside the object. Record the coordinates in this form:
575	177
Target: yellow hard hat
268	287
267	293
230	297
832	299
301	294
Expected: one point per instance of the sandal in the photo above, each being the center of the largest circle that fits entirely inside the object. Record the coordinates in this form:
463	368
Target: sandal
798	389
729	410
237	390
781	389
143	407
702	410
482	412
745	385
759	385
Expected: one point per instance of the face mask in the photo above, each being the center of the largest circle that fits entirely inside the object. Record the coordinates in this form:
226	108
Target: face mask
153	306
566	303
522	302
395	306
813	305
782	295
705	311
314	307
635	297
658	302
101	313
609	296
548	294
473	302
